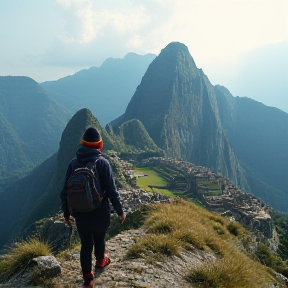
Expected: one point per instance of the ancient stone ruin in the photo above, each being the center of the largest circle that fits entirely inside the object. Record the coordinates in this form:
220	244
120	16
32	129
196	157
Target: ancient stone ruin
245	208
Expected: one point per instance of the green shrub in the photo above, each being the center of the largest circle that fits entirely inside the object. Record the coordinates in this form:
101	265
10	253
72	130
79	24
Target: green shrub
271	260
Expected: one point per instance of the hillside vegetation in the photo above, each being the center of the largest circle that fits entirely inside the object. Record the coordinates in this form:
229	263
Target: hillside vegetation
170	232
31	125
182	225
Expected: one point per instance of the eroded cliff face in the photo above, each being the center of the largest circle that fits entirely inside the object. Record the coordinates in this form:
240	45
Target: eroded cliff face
258	136
177	105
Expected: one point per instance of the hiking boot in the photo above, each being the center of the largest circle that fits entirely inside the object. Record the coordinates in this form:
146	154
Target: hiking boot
102	263
89	284
88	280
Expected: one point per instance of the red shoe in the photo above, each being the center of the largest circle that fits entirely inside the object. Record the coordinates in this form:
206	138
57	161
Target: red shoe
103	263
89	285
88	280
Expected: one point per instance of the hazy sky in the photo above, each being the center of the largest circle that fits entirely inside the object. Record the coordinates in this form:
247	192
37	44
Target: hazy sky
49	39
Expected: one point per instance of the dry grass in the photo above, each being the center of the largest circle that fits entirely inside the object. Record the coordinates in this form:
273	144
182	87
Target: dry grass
153	247
183	225
234	270
18	256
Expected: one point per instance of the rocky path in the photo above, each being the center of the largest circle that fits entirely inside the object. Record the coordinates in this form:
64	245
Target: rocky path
131	273
123	272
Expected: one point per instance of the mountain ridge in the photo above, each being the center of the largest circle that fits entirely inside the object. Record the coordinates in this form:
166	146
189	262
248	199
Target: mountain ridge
31	124
105	90
259	138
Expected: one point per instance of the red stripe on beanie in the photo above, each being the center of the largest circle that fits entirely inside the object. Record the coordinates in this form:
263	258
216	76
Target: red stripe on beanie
97	145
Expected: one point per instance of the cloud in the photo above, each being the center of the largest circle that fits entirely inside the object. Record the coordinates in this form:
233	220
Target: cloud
96	30
79	17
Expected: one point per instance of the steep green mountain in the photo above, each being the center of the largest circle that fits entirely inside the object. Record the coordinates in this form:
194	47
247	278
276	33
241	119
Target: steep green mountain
37	195
135	142
105	90
259	137
31	124
177	105
133	133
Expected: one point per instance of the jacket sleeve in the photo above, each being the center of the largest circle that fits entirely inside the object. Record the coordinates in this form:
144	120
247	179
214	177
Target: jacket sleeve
108	184
63	193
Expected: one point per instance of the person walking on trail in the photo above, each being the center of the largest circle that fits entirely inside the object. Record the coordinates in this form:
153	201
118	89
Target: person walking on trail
92	226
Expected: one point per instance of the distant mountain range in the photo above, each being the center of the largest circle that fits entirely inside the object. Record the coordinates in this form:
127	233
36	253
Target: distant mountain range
105	90
260	73
31	123
175	112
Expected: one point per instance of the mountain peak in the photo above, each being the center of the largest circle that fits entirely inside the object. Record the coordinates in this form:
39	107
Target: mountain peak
18	82
174	102
176	46
178	55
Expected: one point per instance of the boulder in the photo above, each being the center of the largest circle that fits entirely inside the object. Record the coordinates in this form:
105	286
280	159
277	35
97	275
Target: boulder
46	266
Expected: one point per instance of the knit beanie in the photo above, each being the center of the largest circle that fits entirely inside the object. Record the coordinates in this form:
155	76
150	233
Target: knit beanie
92	138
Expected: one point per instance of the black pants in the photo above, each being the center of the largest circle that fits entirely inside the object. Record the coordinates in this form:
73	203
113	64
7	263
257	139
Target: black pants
88	240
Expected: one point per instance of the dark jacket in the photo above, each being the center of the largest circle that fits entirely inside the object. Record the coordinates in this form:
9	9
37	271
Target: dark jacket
99	219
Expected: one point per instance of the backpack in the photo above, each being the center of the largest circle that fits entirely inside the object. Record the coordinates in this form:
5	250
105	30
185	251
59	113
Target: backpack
83	189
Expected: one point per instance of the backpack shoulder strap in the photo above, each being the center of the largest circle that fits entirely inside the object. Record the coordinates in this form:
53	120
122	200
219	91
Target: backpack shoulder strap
96	175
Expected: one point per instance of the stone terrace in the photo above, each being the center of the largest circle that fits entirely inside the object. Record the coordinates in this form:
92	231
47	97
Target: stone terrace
244	207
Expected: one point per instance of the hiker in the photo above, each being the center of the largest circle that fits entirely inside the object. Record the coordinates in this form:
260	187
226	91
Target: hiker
93	225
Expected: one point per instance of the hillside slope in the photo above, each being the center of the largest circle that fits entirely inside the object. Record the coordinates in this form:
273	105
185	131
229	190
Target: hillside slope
170	244
37	195
259	137
31	124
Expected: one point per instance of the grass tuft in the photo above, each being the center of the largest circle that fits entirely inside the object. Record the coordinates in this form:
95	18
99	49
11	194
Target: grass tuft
190	236
218	247
153	246
235	228
219	229
158	225
18	256
217	218
234	270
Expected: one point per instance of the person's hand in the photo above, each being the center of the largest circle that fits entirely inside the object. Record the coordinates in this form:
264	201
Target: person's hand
68	221
122	218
